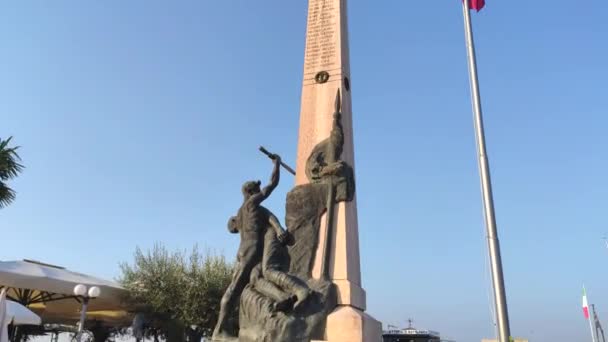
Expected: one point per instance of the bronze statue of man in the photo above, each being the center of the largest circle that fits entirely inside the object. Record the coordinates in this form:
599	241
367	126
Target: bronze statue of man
252	222
271	277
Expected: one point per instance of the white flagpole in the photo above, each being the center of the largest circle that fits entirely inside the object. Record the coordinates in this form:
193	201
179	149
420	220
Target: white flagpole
590	315
591	327
500	299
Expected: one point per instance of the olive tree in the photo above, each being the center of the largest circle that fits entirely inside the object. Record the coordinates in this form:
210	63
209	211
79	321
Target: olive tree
178	292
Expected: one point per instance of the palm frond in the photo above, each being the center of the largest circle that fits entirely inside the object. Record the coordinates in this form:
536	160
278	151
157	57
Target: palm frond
10	165
7	195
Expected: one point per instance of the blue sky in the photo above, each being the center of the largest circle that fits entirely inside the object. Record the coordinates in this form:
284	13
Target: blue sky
139	120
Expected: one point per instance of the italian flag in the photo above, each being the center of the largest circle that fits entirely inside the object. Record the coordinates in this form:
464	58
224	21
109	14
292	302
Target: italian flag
476	4
585	304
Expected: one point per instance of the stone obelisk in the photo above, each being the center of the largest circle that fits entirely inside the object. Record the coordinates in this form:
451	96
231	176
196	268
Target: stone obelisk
327	69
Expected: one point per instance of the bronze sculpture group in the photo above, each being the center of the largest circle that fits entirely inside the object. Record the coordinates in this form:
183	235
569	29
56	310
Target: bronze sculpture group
272	286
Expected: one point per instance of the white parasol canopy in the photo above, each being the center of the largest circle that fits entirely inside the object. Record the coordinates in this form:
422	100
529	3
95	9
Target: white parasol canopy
48	290
18	314
15	313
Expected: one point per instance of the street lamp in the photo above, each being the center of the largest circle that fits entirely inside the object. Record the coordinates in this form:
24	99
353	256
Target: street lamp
84	294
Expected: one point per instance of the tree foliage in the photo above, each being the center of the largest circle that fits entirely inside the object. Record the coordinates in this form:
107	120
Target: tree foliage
180	293
10	167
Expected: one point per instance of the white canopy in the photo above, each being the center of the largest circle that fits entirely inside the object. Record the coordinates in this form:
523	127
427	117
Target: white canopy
48	289
18	314
15	313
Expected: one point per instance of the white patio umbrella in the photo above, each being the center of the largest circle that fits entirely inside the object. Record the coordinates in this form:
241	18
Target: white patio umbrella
49	290
18	314
14	313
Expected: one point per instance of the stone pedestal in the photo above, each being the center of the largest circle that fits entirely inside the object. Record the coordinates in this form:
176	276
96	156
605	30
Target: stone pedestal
347	323
327	69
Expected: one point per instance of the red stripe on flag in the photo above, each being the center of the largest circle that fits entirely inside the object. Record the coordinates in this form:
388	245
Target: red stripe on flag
476	4
586	312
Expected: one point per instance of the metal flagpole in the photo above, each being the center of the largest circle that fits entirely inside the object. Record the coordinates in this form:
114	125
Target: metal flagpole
597	325
500	300
591	328
590	315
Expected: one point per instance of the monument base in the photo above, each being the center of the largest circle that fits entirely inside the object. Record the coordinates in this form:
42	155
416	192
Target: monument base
348	324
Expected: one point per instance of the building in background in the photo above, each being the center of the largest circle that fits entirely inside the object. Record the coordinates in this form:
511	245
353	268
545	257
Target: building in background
410	334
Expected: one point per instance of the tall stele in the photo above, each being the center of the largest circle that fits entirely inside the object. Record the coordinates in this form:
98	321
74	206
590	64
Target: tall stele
326	69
